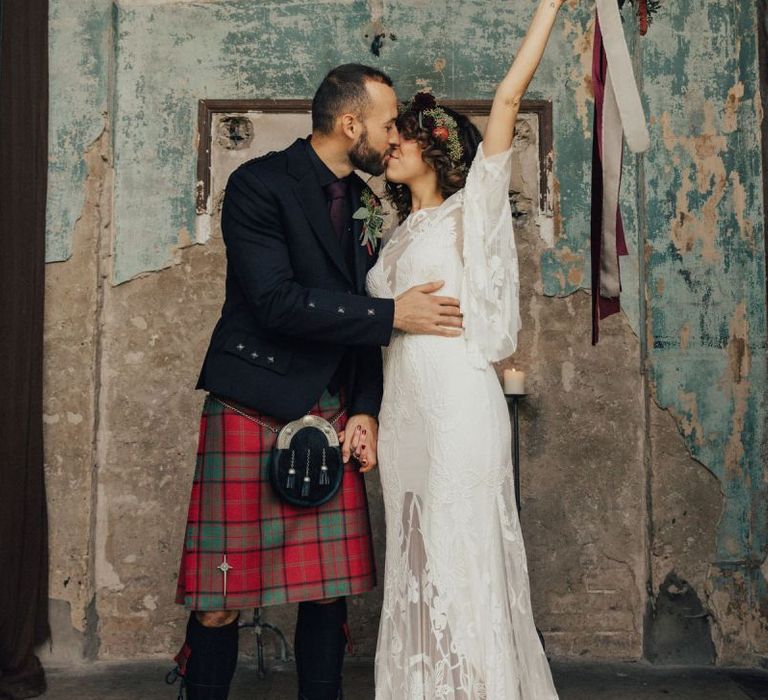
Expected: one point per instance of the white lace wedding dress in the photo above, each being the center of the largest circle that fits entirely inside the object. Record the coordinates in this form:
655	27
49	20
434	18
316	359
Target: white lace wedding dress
456	621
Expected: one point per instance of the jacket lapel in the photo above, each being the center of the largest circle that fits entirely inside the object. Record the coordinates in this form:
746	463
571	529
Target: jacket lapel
314	205
361	252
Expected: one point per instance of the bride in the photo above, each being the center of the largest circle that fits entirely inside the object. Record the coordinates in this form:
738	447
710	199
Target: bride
456	620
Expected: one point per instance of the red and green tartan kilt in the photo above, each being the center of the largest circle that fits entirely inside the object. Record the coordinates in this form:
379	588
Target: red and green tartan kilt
274	552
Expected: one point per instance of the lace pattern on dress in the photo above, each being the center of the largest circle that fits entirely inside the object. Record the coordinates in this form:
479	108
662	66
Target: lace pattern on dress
490	287
456	618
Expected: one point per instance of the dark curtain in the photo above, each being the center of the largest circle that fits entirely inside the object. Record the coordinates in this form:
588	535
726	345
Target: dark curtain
23	176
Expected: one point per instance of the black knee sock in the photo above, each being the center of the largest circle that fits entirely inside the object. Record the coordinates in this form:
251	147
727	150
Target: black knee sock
211	659
319	648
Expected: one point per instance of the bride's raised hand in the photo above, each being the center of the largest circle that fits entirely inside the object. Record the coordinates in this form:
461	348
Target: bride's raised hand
509	94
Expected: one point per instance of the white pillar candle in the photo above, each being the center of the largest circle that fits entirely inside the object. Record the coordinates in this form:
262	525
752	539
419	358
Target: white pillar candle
514	381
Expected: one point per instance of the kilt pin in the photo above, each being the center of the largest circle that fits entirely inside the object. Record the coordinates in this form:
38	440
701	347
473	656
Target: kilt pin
246	548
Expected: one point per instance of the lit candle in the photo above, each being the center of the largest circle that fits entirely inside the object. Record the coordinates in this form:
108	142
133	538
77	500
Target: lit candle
514	381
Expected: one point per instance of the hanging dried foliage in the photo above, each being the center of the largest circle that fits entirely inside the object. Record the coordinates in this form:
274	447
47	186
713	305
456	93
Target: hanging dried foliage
646	9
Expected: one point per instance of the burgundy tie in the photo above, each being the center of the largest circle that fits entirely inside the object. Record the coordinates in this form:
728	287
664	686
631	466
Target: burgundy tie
336	193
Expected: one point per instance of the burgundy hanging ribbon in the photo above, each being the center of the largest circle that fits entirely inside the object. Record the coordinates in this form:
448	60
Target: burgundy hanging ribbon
607	231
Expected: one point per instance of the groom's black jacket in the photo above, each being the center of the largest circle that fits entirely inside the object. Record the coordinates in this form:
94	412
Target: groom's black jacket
294	310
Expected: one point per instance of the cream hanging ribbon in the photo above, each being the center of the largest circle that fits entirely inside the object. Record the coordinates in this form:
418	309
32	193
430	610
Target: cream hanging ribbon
622	77
618	114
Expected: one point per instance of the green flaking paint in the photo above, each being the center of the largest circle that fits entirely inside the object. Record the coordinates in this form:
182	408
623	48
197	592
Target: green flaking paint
713	47
79	50
270	51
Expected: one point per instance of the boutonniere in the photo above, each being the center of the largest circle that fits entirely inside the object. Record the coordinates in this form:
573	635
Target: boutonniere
372	216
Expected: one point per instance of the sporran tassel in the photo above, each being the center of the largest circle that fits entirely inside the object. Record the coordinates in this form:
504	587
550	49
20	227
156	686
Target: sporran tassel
290	482
307	480
324	480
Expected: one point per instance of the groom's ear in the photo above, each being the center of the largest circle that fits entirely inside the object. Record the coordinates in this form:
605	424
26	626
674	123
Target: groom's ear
350	126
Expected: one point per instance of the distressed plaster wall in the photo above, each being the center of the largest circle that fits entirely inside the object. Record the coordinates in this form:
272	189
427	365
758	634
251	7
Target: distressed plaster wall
78	249
640	457
72	378
704	290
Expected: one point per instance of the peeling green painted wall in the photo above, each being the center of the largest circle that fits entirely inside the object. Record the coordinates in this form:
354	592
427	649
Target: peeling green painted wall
706	245
80	51
165	63
142	66
705	254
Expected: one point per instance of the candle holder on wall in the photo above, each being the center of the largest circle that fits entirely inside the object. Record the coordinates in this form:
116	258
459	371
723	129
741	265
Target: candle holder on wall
513	402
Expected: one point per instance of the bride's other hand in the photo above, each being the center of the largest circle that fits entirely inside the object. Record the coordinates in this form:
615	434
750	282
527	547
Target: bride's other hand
368	458
421	312
359	440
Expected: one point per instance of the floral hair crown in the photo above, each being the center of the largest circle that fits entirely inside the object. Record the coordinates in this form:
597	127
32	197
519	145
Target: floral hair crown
441	125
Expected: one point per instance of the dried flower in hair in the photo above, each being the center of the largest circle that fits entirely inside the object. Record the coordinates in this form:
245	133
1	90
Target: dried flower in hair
453	144
440	133
440	125
423	101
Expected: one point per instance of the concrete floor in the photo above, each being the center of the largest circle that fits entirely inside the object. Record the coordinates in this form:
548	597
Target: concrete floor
144	681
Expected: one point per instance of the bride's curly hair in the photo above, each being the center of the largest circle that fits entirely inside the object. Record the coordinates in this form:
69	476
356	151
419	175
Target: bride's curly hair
451	176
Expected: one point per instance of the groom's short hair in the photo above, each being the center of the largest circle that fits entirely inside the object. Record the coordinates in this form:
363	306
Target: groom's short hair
343	90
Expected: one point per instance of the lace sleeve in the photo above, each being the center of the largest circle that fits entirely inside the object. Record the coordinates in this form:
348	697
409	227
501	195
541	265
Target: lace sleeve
490	286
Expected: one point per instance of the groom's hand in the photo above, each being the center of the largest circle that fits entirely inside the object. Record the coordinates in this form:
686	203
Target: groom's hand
359	439
419	311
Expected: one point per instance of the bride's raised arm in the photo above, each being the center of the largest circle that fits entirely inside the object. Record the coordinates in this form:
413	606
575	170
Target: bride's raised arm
509	94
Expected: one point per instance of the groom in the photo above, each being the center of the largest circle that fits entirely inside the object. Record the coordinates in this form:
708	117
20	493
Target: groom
296	332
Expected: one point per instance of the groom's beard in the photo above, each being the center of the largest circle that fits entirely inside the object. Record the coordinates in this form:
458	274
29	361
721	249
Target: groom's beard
364	157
